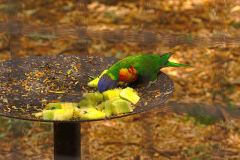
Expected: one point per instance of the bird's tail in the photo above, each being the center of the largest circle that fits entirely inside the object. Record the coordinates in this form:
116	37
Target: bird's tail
165	63
164	58
172	64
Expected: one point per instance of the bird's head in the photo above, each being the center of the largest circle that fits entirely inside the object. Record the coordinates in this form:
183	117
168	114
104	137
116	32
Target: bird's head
128	74
106	83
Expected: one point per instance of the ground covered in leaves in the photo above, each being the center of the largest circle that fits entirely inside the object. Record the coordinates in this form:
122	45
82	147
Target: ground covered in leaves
202	33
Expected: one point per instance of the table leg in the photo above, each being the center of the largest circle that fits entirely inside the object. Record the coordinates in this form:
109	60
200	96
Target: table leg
67	141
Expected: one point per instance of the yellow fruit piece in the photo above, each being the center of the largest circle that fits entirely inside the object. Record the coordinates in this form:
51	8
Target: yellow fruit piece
61	105
101	106
115	106
91	99
121	106
89	113
48	114
63	114
130	95
96	96
39	114
113	93
69	105
108	109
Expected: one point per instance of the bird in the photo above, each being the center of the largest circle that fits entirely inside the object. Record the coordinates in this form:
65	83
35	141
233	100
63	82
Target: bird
139	68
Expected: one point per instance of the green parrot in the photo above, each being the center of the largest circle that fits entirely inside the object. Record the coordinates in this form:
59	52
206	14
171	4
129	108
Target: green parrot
136	68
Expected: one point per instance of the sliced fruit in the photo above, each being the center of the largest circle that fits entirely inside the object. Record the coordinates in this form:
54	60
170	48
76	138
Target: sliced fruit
113	102
48	114
87	103
130	95
39	114
101	106
89	113
69	105
54	105
108	108
91	99
63	114
61	105
113	93
121	106
96	96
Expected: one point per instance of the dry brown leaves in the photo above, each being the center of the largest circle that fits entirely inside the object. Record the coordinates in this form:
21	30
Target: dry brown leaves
214	76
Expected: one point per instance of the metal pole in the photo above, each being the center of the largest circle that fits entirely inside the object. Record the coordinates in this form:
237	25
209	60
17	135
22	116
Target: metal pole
67	141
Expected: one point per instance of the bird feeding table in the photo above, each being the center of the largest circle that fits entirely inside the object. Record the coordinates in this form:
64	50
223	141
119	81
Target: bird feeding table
28	84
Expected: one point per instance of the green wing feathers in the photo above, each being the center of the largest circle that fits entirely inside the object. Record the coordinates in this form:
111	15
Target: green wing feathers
144	64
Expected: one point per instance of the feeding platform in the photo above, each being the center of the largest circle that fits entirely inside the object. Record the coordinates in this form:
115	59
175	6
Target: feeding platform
28	84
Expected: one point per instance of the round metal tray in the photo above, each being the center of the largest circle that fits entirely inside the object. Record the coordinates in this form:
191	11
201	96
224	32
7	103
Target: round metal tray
28	84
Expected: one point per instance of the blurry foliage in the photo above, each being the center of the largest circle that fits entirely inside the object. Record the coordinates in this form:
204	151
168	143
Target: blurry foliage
201	119
235	24
189	39
201	152
19	128
14	126
42	36
3	7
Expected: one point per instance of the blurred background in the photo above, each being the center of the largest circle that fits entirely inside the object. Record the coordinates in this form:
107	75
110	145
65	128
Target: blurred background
201	119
